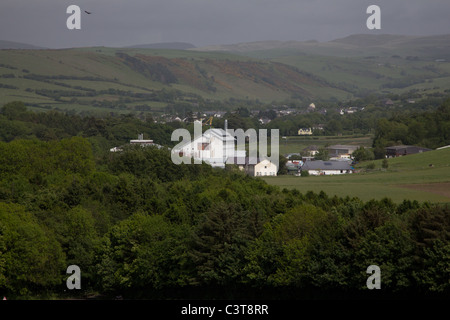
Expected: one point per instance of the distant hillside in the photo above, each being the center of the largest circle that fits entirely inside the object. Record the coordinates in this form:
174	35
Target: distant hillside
434	47
362	64
426	47
165	45
373	40
16	45
152	80
124	80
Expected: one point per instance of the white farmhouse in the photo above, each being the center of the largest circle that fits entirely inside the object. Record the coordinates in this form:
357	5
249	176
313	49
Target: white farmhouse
262	168
255	167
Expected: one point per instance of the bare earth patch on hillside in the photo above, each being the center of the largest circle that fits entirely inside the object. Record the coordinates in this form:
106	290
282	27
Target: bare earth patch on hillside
442	188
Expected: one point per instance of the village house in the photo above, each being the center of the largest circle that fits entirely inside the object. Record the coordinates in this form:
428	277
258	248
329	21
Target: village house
287	111
215	114
311	108
264	120
403	150
319	167
340	151
349	110
263	167
319	127
310	151
305	132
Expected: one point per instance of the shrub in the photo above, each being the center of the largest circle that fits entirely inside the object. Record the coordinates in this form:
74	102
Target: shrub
370	166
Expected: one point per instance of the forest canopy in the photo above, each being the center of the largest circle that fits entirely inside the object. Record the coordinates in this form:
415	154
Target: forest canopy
140	226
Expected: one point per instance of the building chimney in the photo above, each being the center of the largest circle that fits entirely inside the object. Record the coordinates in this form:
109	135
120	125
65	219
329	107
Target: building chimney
226	125
141	136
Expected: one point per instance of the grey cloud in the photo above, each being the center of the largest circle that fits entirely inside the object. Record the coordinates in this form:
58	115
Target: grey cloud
207	22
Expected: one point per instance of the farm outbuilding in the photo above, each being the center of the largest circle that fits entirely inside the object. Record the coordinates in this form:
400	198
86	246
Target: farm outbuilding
319	167
402	150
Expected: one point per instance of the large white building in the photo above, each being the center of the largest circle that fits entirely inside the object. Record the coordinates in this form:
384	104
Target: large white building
214	146
217	147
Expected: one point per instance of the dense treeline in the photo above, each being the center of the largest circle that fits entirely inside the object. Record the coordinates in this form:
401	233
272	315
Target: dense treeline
141	227
429	129
371	110
16	122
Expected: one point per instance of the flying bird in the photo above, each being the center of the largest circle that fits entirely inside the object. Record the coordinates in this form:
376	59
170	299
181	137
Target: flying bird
87	12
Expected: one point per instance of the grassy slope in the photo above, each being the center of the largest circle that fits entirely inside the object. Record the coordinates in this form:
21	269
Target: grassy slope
360	64
359	45
336	70
373	74
392	183
232	76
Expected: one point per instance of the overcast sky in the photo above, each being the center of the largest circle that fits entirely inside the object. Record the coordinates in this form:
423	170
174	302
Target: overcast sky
209	22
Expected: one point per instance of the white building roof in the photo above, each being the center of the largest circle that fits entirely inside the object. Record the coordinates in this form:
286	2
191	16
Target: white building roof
208	135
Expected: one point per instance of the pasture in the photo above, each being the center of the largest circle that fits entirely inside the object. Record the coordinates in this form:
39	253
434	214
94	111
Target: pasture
422	177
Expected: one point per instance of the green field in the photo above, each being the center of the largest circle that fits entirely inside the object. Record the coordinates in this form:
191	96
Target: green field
421	177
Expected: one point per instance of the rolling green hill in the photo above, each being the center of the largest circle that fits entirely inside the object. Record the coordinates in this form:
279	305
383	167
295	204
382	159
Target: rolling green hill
144	79
359	45
362	64
17	45
164	45
99	79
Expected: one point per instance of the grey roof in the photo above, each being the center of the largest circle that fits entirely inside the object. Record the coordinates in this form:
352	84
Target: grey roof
326	165
245	160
